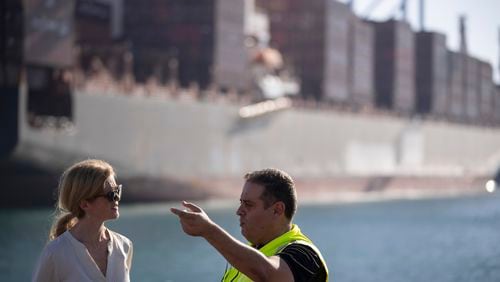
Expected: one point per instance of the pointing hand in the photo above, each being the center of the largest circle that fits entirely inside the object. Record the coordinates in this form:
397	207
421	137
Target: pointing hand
194	220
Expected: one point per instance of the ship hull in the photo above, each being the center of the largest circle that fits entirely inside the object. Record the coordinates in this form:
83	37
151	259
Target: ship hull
192	145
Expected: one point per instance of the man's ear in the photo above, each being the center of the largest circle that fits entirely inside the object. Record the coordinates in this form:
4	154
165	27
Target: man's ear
279	208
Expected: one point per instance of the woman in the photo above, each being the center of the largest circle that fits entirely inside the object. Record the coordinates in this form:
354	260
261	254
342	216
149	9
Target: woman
81	248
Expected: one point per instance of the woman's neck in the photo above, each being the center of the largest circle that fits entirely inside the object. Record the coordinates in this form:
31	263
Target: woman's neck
90	232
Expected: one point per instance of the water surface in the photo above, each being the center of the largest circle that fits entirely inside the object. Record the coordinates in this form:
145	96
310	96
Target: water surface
443	240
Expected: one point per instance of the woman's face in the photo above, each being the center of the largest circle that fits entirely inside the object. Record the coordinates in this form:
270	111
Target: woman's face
104	208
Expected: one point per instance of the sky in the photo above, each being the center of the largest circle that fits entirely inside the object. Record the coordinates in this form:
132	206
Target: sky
482	22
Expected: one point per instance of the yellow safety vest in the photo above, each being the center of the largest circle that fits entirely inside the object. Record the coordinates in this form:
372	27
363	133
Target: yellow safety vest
274	247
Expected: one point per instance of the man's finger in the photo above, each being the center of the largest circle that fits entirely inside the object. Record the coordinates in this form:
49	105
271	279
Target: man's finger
191	206
179	213
176	211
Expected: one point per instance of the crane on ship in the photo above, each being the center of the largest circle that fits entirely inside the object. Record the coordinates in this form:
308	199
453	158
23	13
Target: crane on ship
401	7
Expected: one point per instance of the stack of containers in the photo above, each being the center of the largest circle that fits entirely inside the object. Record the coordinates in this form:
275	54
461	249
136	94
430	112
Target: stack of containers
297	30
395	66
205	37
455	86
431	73
336	50
11	42
486	92
362	59
93	23
329	48
52	46
471	89
230	59
497	103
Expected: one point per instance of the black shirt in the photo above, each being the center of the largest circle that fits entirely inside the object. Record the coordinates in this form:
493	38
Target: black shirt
304	263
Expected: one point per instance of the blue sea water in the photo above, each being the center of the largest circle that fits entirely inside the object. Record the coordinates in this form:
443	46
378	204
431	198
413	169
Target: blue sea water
453	239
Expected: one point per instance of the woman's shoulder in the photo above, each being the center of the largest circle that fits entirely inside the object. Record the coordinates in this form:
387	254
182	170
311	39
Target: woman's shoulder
56	245
121	239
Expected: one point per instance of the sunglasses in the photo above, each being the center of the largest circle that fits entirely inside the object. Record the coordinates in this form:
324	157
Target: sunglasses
113	196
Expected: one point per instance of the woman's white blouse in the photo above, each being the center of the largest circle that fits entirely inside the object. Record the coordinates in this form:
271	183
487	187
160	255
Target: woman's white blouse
67	259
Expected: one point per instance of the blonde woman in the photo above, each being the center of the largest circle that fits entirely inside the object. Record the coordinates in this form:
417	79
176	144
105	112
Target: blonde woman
81	248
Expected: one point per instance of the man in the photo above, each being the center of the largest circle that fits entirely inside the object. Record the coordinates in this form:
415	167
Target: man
277	250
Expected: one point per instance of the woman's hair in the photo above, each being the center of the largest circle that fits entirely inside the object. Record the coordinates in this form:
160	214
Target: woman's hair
81	181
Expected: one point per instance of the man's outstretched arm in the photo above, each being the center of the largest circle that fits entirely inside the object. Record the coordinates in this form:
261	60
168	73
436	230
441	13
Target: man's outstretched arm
247	260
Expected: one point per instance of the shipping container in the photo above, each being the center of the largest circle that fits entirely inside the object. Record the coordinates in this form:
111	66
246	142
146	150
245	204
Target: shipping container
486	91
49	33
394	66
471	89
11	59
93	23
205	37
361	55
456	90
404	86
431	73
496	102
337	52
298	32
12	32
230	62
11	42
328	47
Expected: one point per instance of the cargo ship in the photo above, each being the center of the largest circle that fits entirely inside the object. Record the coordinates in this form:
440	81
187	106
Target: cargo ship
185	97
333	154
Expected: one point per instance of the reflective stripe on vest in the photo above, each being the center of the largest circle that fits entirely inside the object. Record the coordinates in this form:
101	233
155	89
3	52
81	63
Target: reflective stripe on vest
274	247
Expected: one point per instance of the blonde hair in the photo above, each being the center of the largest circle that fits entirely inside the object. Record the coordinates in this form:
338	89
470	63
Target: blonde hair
79	182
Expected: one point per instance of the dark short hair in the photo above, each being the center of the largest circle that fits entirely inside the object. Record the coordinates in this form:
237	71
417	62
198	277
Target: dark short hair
278	186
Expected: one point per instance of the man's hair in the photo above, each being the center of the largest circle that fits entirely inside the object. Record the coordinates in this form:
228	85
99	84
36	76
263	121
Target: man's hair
278	186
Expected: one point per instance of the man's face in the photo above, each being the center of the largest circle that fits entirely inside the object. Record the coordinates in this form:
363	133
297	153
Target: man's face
255	220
